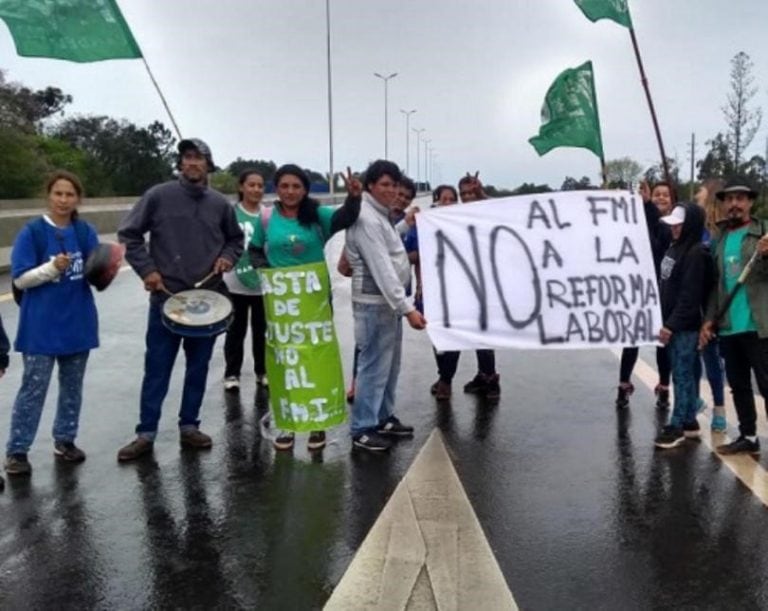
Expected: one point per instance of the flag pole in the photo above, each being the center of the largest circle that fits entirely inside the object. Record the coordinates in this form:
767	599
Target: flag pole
644	81
162	97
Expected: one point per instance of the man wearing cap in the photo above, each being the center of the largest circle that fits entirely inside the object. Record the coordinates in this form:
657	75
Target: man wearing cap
193	231
743	328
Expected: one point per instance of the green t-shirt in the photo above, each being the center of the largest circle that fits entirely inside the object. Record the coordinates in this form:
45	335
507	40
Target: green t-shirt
739	313
289	243
244	272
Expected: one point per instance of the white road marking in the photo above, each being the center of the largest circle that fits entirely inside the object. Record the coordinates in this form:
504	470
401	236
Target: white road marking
427	549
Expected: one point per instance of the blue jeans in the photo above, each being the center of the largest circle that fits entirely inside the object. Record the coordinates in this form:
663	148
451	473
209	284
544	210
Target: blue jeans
162	348
379	337
28	406
686	369
714	368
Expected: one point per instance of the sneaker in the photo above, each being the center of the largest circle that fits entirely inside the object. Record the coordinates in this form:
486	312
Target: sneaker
231	384
622	397
670	437
137	448
692	430
371	442
741	446
284	440
662	396
441	390
17	464
392	427
261	380
719	424
316	440
68	452
195	438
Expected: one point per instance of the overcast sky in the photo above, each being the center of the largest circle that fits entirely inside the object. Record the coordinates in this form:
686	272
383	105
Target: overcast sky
249	77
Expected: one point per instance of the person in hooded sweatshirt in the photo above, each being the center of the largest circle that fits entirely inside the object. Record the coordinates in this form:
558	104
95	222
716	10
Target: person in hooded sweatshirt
686	276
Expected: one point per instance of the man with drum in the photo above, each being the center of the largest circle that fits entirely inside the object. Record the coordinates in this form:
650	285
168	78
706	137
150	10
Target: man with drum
193	236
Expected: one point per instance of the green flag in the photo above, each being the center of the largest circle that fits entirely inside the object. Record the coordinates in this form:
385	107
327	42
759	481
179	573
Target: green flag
74	30
569	113
615	10
306	382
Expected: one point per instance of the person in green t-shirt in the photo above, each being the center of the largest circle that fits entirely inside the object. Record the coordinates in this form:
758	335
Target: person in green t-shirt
743	328
294	232
244	289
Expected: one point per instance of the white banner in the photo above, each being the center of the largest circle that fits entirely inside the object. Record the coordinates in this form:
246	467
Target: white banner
555	270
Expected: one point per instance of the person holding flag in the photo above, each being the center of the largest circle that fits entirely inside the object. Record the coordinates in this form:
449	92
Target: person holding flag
738	308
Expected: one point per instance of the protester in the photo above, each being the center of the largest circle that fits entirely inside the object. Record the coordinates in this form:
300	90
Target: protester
447	362
743	329
193	232
660	237
380	273
486	380
245	290
404	222
58	323
295	233
710	355
5	347
686	276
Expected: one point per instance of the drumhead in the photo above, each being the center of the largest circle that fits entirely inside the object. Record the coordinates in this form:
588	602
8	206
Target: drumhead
197	308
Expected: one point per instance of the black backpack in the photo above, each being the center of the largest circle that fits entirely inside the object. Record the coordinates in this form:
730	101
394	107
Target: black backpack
40	239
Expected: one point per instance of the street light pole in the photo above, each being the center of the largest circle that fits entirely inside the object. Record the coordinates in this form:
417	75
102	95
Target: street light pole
426	142
418	134
407	114
331	180
386	110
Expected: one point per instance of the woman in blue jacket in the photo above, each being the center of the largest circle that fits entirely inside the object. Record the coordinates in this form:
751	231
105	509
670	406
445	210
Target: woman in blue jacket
57	322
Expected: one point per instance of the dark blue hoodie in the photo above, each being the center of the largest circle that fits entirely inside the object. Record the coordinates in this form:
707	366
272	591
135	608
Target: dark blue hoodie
687	274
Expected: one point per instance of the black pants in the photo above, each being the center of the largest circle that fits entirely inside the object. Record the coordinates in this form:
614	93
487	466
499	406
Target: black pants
233	344
447	363
629	358
744	353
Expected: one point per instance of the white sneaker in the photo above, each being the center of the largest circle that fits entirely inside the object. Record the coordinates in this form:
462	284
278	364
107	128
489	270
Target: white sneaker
231	383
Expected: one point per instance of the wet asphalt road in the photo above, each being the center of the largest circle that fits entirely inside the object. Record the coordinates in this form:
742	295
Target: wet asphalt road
578	508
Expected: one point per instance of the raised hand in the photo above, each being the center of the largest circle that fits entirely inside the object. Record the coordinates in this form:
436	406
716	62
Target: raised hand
353	184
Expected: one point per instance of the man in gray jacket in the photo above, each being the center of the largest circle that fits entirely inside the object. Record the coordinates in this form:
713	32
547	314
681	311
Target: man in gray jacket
380	273
193	231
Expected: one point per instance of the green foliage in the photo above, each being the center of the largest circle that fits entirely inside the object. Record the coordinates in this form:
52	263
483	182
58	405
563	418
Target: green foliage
529	187
571	184
265	168
622	173
224	182
22	168
24	109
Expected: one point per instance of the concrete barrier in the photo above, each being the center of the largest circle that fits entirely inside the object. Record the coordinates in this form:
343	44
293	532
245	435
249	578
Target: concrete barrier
105	213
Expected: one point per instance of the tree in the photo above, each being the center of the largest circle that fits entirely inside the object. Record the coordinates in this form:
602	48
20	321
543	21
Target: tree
263	167
655	173
571	184
528	187
717	163
24	109
622	173
742	121
22	168
134	158
223	181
